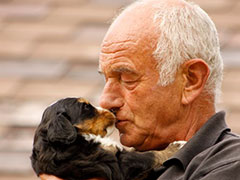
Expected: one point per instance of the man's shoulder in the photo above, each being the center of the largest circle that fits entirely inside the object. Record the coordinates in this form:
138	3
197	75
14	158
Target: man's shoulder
221	159
224	153
227	142
227	146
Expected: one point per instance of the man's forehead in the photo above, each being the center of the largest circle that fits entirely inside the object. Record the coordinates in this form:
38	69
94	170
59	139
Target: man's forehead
118	47
131	36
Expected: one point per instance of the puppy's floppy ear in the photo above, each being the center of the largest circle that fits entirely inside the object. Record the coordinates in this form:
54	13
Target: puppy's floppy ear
61	130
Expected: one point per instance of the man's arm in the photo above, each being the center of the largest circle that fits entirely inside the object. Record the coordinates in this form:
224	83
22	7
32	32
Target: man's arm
51	177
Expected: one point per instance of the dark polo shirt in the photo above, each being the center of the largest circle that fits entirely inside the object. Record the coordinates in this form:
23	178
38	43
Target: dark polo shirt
213	153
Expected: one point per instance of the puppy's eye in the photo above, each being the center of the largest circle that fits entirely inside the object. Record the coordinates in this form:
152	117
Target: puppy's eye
87	107
87	111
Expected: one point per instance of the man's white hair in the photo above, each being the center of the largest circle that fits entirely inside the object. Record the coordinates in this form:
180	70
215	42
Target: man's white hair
186	32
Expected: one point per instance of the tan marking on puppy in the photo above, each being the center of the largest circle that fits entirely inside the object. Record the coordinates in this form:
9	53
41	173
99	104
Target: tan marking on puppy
98	124
82	100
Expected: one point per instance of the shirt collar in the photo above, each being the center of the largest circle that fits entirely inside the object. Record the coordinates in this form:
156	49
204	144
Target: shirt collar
206	137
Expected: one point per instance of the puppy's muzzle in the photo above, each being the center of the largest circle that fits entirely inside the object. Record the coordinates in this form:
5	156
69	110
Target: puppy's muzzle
102	124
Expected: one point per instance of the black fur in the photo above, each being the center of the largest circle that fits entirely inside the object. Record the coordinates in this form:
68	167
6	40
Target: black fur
60	149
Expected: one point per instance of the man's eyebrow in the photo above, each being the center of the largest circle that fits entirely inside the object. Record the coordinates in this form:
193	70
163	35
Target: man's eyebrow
120	70
124	69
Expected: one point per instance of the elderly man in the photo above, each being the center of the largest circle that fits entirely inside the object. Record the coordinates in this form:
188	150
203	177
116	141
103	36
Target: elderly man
163	69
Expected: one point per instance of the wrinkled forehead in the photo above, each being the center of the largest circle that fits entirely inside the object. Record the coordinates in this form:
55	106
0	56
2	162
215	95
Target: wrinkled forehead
130	37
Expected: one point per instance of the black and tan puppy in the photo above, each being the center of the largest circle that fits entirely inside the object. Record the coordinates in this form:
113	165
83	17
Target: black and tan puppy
69	143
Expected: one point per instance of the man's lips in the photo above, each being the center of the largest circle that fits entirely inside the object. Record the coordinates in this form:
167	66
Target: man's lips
120	123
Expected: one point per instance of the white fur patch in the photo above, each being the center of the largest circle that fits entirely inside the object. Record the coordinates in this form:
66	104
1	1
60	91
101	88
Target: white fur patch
110	130
105	142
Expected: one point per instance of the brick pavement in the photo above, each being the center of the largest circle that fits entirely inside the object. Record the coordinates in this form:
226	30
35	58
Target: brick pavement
49	49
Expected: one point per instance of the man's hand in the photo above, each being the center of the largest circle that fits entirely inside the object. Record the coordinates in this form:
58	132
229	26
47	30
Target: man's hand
50	177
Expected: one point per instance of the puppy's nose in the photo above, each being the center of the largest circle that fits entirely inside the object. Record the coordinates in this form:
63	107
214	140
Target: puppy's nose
114	110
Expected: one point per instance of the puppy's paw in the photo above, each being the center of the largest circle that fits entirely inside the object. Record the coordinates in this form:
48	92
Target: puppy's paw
172	148
175	146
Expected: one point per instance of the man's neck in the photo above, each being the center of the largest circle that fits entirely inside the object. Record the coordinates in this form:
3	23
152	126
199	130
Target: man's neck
197	115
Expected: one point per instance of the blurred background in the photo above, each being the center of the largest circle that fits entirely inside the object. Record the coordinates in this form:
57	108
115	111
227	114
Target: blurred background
49	50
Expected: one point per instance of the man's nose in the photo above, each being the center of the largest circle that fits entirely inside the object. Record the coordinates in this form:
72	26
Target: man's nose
111	97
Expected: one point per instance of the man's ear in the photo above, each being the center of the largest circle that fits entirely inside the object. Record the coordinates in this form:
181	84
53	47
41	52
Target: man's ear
61	130
195	73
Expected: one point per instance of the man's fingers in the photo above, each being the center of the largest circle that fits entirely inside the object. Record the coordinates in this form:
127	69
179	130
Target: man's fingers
49	177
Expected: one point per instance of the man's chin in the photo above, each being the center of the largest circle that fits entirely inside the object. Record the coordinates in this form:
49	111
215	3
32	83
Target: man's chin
124	140
130	142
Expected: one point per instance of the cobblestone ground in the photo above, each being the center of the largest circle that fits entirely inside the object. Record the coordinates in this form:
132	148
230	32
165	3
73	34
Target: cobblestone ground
49	50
